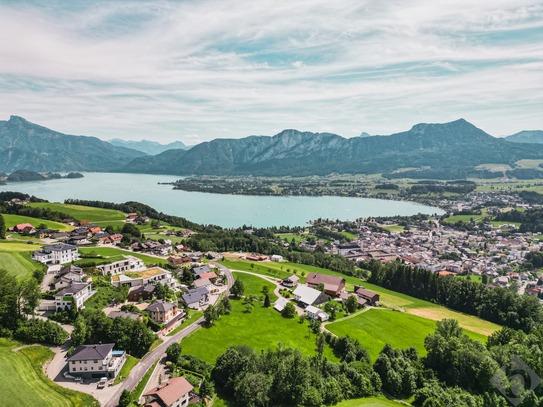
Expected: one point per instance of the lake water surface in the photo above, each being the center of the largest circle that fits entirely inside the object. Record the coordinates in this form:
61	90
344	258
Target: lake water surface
223	210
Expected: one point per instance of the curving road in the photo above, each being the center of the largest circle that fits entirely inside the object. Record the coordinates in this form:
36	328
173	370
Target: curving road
141	368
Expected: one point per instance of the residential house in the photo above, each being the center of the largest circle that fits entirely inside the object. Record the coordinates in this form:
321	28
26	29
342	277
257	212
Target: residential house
345	248
196	256
144	292
78	240
80	292
209	275
60	236
114	239
316	313
309	296
201	270
178	261
333	285
131	216
40	234
291	281
130	263
205	282
280	304
371	297
68	275
196	298
176	392
147	276
96	361
163	312
345	295
58	253
276	257
101	237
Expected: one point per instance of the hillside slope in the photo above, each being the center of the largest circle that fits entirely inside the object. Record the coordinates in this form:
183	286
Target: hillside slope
149	147
25	145
527	136
454	145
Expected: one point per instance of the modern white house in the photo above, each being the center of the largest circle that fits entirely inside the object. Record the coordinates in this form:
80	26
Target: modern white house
130	263
68	275
58	253
276	257
148	276
96	361
80	292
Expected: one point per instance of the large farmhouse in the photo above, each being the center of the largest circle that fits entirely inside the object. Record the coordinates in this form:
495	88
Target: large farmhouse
332	285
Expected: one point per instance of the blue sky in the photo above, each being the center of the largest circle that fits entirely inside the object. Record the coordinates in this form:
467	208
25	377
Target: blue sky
198	70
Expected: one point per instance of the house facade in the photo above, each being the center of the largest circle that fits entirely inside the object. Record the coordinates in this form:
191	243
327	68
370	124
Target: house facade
196	298
79	292
130	263
96	361
68	275
58	253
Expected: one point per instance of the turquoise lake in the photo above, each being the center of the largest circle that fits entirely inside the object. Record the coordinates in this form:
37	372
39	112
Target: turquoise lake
223	210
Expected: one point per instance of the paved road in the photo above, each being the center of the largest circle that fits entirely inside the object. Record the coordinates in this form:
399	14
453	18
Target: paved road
141	368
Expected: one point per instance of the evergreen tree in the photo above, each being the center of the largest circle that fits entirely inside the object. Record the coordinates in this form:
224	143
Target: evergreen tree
267	301
2	228
79	333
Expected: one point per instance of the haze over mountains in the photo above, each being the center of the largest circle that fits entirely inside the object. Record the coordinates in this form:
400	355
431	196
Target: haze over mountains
149	147
527	136
450	150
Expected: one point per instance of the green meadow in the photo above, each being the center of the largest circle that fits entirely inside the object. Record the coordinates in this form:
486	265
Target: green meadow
254	285
82	213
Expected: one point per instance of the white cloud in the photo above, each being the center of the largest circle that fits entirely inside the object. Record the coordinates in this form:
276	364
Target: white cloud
135	69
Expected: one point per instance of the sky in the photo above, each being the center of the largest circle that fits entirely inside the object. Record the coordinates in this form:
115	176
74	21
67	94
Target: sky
198	70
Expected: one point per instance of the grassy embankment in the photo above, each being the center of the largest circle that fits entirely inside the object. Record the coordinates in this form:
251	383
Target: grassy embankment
23	383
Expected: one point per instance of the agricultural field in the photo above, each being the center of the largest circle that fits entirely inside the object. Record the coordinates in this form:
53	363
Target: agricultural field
82	213
377	327
12	220
18	264
253	285
108	252
23	383
394	229
263	328
17	246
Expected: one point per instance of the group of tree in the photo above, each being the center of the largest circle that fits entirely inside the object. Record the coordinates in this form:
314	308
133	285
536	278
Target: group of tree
531	220
132	335
214	312
18	300
498	305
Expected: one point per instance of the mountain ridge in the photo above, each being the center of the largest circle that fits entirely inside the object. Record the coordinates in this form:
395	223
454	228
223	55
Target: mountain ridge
26	145
526	136
148	146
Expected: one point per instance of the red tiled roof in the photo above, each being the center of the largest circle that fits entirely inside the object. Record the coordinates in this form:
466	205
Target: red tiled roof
208	275
172	390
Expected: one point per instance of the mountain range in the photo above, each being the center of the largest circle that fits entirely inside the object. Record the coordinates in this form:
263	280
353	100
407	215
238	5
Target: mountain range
25	145
527	136
448	150
149	147
451	148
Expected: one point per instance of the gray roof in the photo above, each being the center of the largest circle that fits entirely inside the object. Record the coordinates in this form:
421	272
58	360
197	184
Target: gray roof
70	269
59	247
91	352
160	306
194	295
201	270
123	314
148	288
72	289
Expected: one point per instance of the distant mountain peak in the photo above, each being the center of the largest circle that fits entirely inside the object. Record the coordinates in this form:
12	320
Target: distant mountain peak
364	134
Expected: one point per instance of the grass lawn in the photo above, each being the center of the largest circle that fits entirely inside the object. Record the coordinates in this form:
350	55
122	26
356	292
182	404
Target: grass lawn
263	328
377	327
16	263
289	237
155	344
156	236
254	285
23	383
110	252
479	279
349	235
194	316
125	370
394	229
14	246
136	393
98	261
410	304
101	298
82	213
12	220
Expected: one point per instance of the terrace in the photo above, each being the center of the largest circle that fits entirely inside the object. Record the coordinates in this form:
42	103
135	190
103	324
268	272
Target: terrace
138	274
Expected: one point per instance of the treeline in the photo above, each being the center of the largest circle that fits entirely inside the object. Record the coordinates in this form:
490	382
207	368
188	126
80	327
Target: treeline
326	233
32	212
141	210
498	305
444	173
286	377
8	196
131	335
531	220
387	186
439	189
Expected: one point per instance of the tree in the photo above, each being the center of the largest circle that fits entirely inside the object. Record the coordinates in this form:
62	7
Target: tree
79	334
31	292
226	307
484	279
160	290
266	289
42	226
125	400
315	325
207	389
289	311
320	287
210	314
173	353
131	229
351	303
303	273
320	341
2	228
267	301
238	288
248	303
